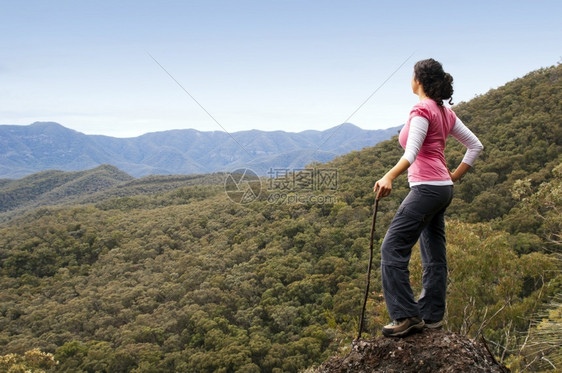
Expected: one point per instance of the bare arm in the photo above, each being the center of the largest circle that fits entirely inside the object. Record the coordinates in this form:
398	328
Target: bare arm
416	137
384	185
459	171
473	145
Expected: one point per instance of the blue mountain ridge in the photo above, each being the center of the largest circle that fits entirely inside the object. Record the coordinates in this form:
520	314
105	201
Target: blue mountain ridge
50	146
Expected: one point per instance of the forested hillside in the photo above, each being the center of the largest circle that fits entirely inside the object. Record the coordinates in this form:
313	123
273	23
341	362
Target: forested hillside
53	187
185	280
50	188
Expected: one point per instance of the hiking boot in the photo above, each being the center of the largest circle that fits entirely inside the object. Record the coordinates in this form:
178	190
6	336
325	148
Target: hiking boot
403	327
432	324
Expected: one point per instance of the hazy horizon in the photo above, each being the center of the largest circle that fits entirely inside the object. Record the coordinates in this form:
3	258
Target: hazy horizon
102	68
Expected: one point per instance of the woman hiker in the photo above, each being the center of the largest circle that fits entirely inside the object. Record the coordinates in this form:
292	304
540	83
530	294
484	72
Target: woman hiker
421	214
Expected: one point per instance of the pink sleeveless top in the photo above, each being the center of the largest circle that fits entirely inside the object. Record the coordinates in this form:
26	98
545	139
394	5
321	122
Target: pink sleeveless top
430	164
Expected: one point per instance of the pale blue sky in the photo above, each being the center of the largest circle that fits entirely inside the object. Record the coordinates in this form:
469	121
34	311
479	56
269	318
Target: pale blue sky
270	64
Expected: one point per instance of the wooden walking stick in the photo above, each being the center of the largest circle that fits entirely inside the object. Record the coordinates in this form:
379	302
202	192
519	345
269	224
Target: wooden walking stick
368	269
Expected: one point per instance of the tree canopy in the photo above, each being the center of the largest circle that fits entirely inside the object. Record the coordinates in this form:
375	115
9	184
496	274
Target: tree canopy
183	279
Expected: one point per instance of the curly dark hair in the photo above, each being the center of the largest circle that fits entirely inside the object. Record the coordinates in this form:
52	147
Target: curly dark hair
436	83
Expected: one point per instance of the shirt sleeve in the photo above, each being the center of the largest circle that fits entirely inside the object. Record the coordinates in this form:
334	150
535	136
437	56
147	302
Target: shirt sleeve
468	139
416	137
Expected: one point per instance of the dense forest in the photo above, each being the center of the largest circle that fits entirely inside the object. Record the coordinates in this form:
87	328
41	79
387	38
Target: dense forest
182	279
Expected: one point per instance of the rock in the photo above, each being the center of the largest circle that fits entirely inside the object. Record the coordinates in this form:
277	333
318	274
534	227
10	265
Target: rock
429	351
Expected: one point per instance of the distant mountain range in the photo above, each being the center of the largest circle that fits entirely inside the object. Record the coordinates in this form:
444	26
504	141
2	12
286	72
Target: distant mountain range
25	150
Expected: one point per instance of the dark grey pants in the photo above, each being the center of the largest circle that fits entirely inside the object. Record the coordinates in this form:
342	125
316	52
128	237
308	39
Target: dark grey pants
420	216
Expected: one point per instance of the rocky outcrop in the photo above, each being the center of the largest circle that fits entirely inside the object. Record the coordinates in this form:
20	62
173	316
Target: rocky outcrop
429	351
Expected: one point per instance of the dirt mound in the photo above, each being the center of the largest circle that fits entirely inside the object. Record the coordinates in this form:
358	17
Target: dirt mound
429	351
